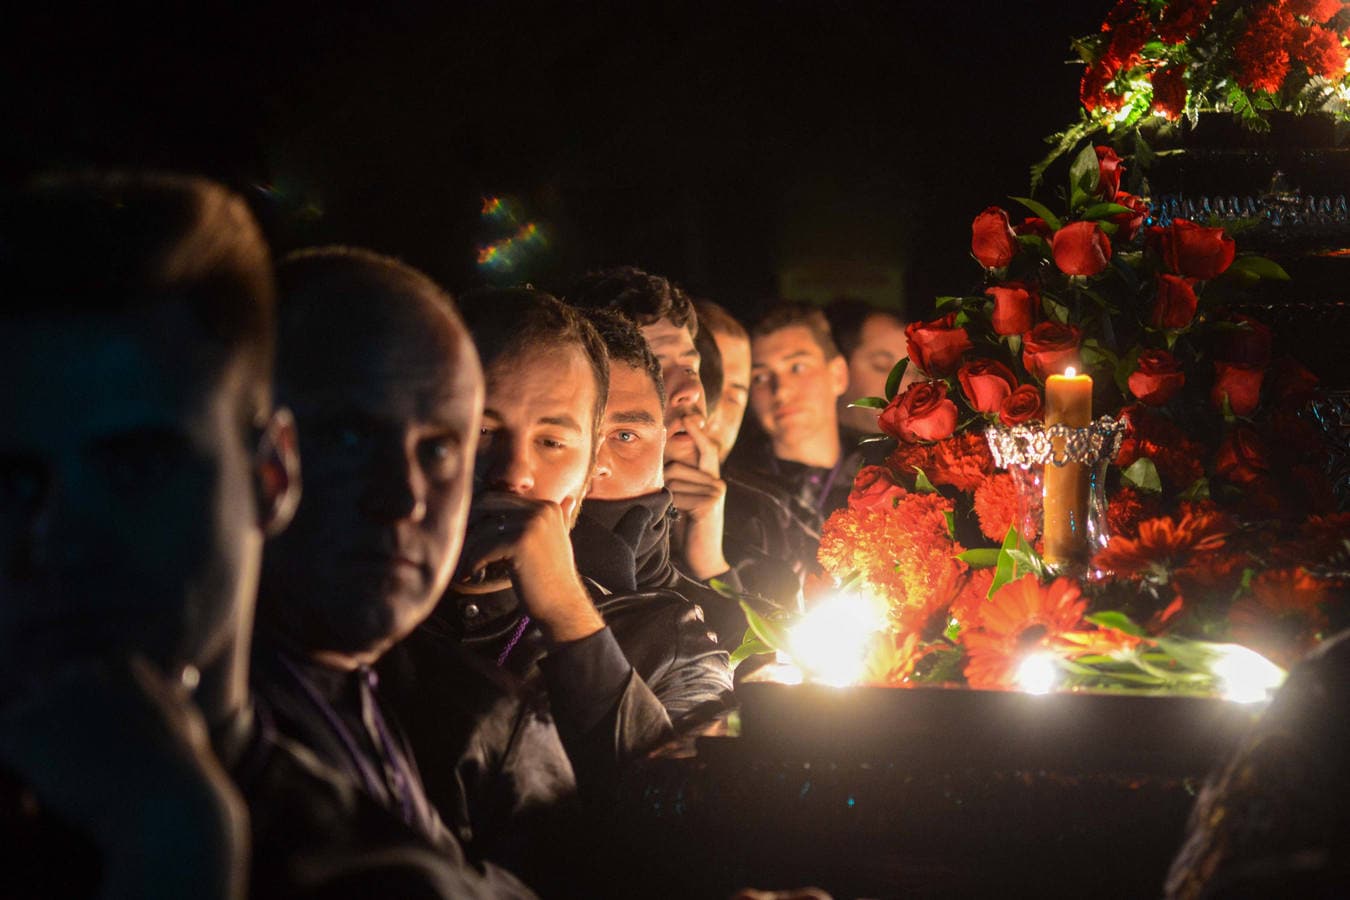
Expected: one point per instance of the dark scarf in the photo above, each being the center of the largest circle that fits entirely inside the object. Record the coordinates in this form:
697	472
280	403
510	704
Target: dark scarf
624	545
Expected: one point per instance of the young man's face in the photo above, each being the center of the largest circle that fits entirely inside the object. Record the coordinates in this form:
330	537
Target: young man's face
388	414
725	424
630	460
793	387
538	435
128	521
881	344
674	347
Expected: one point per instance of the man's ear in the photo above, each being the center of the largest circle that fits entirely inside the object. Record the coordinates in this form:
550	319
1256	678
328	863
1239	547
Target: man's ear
838	374
276	472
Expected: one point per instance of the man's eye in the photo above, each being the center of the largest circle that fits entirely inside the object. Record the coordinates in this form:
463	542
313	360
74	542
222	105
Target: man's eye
759	378
626	437
439	457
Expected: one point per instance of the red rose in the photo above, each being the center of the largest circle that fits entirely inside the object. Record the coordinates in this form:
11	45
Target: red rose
1242	456
1081	248
986	384
1021	406
921	413
873	488
1196	251
1050	347
1169	91
1035	225
1240	383
1014	304
1174	305
1250	344
992	240
1109	170
1291	381
1157	377
936	346
1128	224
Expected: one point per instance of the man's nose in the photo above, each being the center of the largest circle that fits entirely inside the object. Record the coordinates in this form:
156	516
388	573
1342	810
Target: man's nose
684	389
506	466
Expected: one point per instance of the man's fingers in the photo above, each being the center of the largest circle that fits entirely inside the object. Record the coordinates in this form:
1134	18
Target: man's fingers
707	450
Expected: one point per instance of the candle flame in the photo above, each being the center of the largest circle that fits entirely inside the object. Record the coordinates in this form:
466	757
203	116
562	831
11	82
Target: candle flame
1070	372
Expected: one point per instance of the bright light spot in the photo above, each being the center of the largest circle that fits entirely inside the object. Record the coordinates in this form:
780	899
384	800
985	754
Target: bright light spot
1245	676
1037	674
831	640
1070	372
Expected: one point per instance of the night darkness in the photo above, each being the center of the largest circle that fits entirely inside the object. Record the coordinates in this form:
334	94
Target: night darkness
715	143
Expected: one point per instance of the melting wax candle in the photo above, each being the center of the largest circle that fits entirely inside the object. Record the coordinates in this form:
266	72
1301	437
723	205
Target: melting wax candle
1068	401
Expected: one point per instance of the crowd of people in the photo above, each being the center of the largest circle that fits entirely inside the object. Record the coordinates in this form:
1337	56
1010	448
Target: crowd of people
318	582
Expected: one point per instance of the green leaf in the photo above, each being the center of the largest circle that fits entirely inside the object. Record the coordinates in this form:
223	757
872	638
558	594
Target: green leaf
868	403
953	631
980	557
1028	561
724	589
1035	242
1260	267
873	438
921	482
947	301
1006	570
1199	490
1041	210
1143	474
765	630
1054	309
750	646
1085	172
950	516
1117	620
1105	211
897	375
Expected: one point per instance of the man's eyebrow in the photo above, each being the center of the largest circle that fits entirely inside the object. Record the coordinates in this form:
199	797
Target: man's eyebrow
631	417
563	421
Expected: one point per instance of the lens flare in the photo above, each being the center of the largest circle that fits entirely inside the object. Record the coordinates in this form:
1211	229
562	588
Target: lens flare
1037	674
1244	675
831	641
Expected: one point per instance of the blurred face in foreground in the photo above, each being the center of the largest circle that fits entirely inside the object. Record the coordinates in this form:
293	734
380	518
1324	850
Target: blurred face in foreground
388	410
630	461
725	424
685	407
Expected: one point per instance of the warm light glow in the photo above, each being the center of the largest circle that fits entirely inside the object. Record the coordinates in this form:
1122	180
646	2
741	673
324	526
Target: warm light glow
830	642
1070	372
1245	676
1037	674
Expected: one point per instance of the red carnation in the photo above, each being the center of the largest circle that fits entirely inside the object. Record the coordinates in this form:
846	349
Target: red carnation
1049	348
1321	51
962	460
1081	248
873	487
1183	18
1174	305
1169	91
936	346
1261	54
1128	507
1241	384
921	413
1195	251
1315	10
1157	377
996	507
1021	406
992	241
1014	305
1092	90
986	384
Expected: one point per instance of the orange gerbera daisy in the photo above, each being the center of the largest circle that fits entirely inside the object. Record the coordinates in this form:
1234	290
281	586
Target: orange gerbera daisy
1164	546
1282	617
1023	616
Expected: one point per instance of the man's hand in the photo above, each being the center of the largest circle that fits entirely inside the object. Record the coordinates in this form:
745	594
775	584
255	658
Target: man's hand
117	751
531	537
700	495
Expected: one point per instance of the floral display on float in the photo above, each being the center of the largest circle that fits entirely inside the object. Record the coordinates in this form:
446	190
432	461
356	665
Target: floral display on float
1165	59
1218	573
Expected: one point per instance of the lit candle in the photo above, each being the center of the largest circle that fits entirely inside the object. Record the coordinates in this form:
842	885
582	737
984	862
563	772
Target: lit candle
1068	401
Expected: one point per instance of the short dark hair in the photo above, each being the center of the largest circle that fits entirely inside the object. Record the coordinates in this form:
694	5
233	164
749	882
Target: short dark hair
511	321
625	344
787	315
715	318
641	296
847	316
123	242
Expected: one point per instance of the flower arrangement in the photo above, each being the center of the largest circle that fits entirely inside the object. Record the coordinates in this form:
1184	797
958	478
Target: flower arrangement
1221	519
1165	59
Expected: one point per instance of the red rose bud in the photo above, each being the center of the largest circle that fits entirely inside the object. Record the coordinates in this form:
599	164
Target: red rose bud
936	346
1250	344
1242	456
1109	170
1157	377
1035	225
874	488
1196	251
1021	406
1081	248
986	384
1014	304
992	241
1128	224
1049	348
1174	305
921	413
1241	384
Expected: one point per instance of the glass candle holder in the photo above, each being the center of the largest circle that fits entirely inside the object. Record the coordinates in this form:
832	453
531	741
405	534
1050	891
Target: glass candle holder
1060	475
